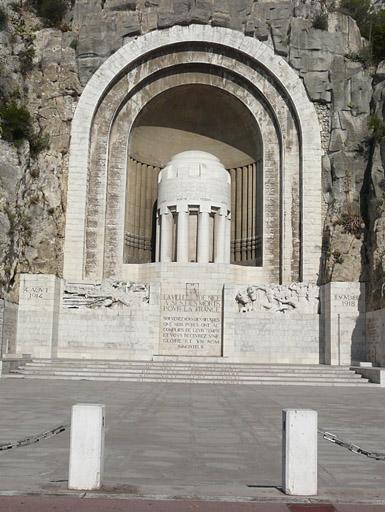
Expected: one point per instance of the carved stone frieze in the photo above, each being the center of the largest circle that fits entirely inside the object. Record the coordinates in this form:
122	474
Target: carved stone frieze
299	297
107	294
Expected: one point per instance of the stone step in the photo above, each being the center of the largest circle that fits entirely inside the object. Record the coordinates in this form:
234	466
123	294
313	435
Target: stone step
189	381
189	372
192	361
193	371
142	364
190	375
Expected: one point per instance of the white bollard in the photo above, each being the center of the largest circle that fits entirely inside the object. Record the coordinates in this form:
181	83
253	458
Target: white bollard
299	452
87	447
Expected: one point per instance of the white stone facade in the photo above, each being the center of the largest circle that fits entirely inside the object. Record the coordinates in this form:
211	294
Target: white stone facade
191	302
187	311
94	238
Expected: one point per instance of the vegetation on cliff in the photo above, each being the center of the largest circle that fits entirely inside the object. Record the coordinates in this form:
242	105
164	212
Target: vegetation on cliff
371	23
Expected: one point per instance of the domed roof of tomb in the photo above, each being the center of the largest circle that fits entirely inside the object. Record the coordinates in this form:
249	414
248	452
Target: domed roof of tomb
195	157
194	176
194	164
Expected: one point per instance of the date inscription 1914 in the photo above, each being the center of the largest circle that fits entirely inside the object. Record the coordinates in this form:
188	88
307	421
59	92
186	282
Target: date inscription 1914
35	292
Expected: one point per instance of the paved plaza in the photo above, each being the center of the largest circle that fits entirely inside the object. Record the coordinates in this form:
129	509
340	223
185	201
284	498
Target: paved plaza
202	441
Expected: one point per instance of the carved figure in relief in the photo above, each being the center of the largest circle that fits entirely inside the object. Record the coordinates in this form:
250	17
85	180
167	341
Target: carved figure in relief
279	298
107	294
244	302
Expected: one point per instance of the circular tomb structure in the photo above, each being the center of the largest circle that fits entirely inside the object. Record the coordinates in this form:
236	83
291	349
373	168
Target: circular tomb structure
193	214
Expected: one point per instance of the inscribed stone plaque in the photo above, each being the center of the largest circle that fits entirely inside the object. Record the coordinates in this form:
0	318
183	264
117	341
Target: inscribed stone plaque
191	321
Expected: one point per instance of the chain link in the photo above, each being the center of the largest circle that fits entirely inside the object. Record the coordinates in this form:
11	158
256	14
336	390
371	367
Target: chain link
34	438
350	446
328	436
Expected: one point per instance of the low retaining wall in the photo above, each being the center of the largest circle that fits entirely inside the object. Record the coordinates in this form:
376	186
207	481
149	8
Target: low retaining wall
375	337
8	326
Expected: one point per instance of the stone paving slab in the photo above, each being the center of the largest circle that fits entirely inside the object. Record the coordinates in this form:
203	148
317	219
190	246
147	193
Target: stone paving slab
191	440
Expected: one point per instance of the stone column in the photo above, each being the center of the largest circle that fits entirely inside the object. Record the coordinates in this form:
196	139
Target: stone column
166	237
238	216
233	209
343	311
203	237
228	239
157	240
38	315
220	236
182	251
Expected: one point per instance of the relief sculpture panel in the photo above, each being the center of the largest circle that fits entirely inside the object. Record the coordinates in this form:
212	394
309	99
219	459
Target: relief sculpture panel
107	294
300	298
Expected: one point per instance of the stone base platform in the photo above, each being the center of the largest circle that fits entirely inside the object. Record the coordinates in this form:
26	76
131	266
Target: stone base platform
204	372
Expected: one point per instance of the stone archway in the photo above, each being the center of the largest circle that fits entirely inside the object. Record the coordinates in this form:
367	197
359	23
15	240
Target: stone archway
202	117
117	93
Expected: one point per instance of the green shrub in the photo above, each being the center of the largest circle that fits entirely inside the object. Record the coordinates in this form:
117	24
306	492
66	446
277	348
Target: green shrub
3	18
16	6
370	23
26	59
74	44
15	123
378	36
38	142
377	126
338	258
352	224
51	11
364	56
360	11
321	21
16	126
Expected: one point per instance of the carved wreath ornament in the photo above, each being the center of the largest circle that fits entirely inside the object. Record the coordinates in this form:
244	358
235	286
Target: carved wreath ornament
107	294
301	297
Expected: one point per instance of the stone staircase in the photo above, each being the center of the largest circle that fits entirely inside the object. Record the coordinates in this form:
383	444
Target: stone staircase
190	372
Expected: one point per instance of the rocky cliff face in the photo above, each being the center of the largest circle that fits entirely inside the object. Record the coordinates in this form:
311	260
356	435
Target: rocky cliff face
39	70
320	43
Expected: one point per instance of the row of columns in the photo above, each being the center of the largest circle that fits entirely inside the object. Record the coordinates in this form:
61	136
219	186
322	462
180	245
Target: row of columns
142	187
246	208
165	230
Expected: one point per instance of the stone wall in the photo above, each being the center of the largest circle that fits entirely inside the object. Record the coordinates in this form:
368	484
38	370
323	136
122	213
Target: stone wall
109	320
8	326
272	324
343	306
188	314
375	337
38	318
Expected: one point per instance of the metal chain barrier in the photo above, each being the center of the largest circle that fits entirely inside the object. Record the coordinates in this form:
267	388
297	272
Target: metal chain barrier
34	438
350	446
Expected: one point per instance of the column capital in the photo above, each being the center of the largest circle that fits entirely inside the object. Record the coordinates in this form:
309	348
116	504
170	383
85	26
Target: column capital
182	207
164	210
205	208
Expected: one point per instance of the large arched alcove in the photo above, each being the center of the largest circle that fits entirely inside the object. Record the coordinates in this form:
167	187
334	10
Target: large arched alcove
195	117
107	127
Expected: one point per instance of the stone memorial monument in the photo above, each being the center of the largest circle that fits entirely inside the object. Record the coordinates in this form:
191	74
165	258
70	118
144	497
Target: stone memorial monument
194	214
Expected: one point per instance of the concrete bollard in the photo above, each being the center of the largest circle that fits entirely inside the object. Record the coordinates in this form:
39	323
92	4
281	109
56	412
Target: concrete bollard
87	447
299	452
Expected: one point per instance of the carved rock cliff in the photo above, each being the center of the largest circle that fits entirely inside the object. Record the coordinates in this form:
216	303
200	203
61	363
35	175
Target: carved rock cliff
46	69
